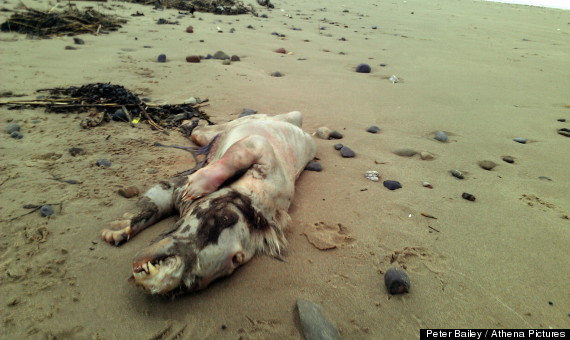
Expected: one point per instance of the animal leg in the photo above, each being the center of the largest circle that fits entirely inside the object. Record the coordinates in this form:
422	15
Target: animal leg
156	204
240	156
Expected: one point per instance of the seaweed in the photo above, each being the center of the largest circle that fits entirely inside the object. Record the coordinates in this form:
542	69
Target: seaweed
225	7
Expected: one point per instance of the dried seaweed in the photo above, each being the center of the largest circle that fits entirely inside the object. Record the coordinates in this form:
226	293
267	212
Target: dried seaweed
226	7
71	21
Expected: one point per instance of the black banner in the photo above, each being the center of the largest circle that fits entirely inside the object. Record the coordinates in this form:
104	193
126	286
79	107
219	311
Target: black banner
494	334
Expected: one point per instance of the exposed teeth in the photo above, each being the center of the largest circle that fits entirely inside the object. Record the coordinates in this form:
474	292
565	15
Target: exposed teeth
152	269
145	267
138	275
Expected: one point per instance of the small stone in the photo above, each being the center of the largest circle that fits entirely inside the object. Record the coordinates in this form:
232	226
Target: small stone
468	196
193	59
544	178
405	152
221	55
520	140
314	166
105	163
427	185
129	192
441	136
250	27
394	79
161	58
119	115
562	120
191	101
235	58
335	135
509	159
374	27
280	50
189	29
232	30
363	68
277	74
323	132
68	47
17	135
209	56
564	132
338	146
247	112
12	127
346	152
76	151
373	129
226	62
392	185
46	210
150	171
426	156
372	175
314	324
396	280
457	174
487	165
78	41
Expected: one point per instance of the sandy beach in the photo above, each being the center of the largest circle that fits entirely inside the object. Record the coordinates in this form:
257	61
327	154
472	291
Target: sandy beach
483	72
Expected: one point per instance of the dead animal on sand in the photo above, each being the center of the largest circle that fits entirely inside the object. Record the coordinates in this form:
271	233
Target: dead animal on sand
232	208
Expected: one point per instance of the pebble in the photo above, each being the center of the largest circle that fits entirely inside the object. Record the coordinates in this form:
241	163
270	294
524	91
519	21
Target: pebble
76	151
441	136
487	165
150	171
545	178
405	152
323	132
221	55
396	280
392	185
209	56
12	127
346	152
189	29
426	156
520	140
104	163
193	59
314	166
562	120
427	185
457	174
335	135
161	58
119	115
314	324
374	27
363	68
277	74
129	192
372	175
338	146
226	62
191	101
468	196
564	132
235	58
78	41
247	112
373	129
70	47
17	135
280	50
394	79
46	210
509	159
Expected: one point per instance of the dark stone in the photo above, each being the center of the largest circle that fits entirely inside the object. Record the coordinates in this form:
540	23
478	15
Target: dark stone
487	165
78	41
250	27
221	55
564	132
161	58
509	159
383	65
17	135
46	210
457	174
314	324
335	135
373	129
338	146
235	58
392	185
12	127
70	47
104	163
119	115
277	74
193	59
247	112
189	29
76	151
314	166
281	50
363	68
396	280
520	140
129	192
468	196
346	152
209	56
441	136
562	120
374	27
263	16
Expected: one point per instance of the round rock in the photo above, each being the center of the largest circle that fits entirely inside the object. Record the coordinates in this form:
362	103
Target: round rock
314	166
508	159
363	68
396	280
277	74
129	192
373	129
161	58
46	210
12	127
104	163
281	50
338	146
17	135
323	132
234	58
441	136
405	152
189	29
426	156
346	152
520	140
392	185
335	135
193	59
487	165
221	55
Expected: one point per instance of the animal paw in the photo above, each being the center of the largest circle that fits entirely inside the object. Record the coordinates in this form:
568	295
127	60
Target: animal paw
119	232
198	185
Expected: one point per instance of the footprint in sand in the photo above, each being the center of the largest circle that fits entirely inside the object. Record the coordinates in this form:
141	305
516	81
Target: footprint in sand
326	236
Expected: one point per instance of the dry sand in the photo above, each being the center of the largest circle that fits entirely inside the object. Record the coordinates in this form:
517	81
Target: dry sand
484	72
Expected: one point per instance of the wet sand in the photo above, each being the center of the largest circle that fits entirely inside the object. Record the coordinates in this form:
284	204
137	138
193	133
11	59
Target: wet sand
483	72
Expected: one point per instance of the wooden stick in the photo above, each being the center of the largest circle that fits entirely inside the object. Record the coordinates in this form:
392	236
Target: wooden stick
129	117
